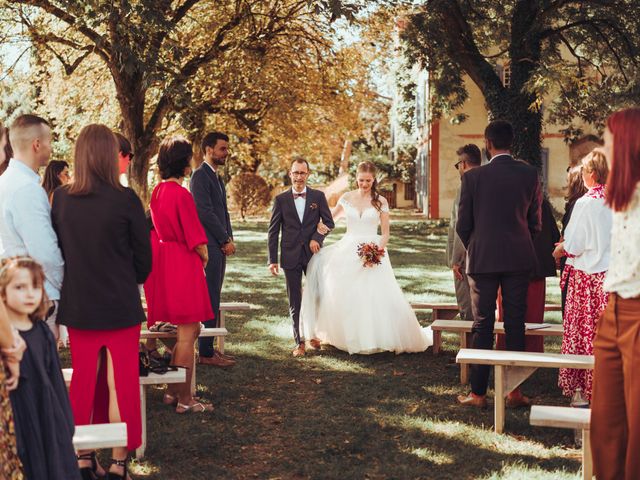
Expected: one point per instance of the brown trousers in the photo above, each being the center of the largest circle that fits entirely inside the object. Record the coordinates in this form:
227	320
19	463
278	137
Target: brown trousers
615	407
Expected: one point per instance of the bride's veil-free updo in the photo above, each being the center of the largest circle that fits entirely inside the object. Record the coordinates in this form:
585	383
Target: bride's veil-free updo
369	167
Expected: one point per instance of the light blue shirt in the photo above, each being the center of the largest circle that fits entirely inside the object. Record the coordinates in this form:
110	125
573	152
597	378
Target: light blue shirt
25	224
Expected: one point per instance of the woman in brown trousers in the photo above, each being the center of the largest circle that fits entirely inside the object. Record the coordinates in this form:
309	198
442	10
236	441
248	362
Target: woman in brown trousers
615	408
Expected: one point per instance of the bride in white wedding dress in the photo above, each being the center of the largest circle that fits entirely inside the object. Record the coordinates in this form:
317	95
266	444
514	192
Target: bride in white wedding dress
355	308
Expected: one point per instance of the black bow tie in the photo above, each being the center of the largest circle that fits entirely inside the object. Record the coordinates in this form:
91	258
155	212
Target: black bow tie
300	195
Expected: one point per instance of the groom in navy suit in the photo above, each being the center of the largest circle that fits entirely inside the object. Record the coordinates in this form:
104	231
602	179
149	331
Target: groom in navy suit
297	212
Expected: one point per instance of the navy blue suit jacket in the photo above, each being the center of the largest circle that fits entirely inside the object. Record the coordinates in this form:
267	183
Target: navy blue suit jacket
211	202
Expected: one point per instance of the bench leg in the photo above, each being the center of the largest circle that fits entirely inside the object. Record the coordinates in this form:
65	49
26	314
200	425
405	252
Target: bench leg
506	380
437	342
498	400
464	367
143	411
193	375
221	338
587	462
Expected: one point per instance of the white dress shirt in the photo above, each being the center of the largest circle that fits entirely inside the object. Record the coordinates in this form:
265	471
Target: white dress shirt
588	235
623	276
300	203
25	224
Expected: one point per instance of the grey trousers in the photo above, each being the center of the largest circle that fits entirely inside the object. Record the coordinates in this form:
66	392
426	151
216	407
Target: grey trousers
463	295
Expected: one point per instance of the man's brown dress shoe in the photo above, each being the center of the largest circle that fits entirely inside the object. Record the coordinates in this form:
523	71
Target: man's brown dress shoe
315	343
299	351
216	361
518	401
472	400
226	357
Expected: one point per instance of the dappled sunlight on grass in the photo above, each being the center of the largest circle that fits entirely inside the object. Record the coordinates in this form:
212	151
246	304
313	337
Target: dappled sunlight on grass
338	365
506	444
438	458
142	468
524	472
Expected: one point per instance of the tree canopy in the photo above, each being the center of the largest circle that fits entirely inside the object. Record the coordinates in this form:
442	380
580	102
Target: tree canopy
266	71
585	55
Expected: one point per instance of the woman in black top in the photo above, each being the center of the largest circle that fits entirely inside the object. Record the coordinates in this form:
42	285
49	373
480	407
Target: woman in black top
104	238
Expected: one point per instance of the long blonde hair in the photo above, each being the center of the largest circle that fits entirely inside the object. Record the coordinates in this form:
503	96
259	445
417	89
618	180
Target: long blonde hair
95	160
369	167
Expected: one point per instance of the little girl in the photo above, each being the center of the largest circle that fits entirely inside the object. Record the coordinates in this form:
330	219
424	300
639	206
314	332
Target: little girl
42	413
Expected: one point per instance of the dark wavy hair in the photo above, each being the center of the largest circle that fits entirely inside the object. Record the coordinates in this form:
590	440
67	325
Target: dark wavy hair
369	167
51	179
174	157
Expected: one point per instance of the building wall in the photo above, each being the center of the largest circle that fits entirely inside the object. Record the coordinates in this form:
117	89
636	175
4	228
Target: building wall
452	136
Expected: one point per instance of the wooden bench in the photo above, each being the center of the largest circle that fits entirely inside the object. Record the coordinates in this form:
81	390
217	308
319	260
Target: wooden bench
513	368
449	311
463	328
567	417
178	376
101	435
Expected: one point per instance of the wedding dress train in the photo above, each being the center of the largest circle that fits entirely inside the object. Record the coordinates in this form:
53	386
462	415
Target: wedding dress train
357	309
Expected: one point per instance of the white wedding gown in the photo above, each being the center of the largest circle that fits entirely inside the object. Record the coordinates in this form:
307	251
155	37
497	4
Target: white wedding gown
358	309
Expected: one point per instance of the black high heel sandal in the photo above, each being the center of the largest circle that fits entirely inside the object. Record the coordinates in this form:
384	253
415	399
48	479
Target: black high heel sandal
89	473
115	476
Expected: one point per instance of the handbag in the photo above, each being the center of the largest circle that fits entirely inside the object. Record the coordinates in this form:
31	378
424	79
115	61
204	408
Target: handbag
144	363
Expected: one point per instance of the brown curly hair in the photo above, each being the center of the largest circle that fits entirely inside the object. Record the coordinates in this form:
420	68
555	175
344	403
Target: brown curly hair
369	167
9	265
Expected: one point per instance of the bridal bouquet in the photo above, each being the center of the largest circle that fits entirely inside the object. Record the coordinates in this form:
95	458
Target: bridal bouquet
370	253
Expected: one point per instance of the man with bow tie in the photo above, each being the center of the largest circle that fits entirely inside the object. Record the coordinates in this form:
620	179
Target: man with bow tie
297	213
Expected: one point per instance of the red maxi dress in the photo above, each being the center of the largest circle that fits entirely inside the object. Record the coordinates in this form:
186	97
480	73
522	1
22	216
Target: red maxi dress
176	290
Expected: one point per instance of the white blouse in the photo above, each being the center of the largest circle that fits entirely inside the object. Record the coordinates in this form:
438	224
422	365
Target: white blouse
588	235
623	276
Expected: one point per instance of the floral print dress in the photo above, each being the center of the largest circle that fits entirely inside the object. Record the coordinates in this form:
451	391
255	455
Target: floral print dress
586	300
10	467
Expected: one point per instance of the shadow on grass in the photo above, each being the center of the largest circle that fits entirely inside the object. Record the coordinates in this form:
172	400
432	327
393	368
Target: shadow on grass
334	416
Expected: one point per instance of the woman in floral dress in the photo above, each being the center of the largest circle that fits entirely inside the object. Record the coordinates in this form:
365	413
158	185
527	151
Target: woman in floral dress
587	248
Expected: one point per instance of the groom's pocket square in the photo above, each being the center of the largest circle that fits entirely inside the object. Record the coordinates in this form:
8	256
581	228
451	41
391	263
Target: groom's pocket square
313	206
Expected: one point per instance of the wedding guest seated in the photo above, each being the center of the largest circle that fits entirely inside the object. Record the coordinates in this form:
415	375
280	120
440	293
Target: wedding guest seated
615	412
105	239
176	290
587	247
56	174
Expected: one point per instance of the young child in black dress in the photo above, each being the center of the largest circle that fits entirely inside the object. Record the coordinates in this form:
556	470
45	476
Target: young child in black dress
42	412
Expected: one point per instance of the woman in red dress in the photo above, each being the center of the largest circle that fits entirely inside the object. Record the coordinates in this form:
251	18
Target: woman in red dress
177	289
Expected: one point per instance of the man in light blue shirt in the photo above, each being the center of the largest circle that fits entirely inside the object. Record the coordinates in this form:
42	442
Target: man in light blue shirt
25	213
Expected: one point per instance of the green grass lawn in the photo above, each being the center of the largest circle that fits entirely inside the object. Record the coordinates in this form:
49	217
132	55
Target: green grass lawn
335	416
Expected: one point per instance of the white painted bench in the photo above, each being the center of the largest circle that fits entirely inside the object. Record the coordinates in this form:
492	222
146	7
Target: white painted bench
101	435
513	368
463	327
220	333
229	307
178	376
567	417
204	332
